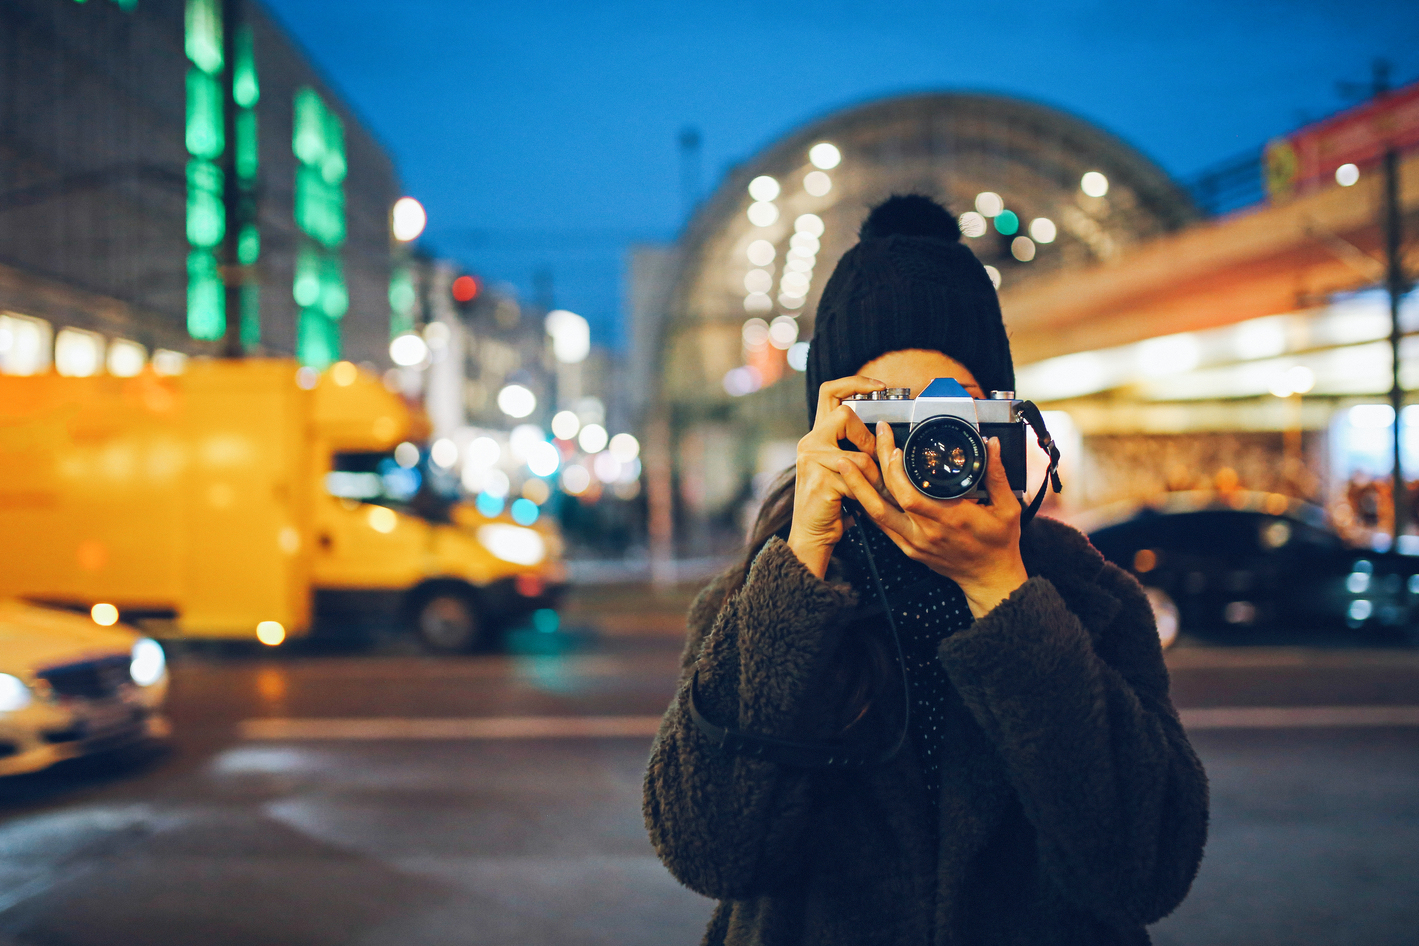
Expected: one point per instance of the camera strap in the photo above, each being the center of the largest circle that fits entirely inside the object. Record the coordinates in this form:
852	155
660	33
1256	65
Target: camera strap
811	755
1036	420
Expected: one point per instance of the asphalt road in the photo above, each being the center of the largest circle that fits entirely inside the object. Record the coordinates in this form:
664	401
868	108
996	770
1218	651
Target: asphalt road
390	798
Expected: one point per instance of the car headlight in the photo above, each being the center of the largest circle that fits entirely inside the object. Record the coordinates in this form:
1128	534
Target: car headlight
148	663
14	695
513	543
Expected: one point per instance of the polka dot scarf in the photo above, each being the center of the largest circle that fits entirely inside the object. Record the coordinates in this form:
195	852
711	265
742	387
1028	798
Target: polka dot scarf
927	608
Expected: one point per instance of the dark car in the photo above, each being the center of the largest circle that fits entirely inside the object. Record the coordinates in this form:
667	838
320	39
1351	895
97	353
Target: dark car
1254	567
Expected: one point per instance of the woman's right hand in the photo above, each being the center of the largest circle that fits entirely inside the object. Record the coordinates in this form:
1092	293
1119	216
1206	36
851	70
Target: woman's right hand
819	490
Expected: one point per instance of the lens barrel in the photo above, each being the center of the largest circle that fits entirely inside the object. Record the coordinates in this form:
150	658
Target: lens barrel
944	457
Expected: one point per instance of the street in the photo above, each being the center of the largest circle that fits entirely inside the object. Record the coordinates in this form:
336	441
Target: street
386	797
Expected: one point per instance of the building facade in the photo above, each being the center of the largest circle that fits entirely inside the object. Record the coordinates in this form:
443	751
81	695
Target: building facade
115	148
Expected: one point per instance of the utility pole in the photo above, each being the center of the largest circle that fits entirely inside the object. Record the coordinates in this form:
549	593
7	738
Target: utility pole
1395	283
1392	228
690	142
233	204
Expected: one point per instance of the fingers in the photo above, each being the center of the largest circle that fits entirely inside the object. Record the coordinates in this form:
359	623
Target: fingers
894	475
997	483
831	393
878	509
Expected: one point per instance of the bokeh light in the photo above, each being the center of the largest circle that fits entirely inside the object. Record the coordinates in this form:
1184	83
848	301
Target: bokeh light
817	183
514	400
624	447
755	334
763	214
783	332
761	252
811	224
1346	175
575	479
825	156
1006	222
408	219
758	280
524	511
565	424
1022	248
1043	230
758	302
105	615
989	203
408	350
798	356
543	458
482	453
592	438
763	188
444	452
972	224
994	275
1094	184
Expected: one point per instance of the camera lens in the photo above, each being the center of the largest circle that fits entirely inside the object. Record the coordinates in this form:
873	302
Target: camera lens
944	457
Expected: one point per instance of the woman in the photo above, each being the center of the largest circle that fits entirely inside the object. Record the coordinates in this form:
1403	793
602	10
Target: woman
1046	793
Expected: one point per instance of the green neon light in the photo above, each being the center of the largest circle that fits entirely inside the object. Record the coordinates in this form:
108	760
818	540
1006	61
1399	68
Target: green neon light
250	316
245	88
206	215
206	296
1006	222
127	6
401	301
306	288
317	340
247	151
334	297
205	138
248	245
203	39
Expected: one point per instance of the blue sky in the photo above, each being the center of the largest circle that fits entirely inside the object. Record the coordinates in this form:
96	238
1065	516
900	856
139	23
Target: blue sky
541	135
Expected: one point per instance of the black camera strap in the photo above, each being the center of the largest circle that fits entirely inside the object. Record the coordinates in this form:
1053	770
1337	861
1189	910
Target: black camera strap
1036	420
811	755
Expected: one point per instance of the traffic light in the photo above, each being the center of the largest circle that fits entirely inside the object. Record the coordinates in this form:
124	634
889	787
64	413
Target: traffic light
465	289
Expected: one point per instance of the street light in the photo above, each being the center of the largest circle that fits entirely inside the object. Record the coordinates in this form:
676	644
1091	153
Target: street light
571	336
408	350
408	219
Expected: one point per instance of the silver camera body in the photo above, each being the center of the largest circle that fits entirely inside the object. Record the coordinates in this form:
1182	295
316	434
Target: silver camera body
943	432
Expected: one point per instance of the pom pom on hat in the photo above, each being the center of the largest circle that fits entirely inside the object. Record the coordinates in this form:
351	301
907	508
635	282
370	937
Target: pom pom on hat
910	215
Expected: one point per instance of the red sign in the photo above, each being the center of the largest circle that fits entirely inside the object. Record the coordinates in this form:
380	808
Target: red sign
1307	159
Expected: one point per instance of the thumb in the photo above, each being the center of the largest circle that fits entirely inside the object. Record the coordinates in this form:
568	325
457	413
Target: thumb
997	484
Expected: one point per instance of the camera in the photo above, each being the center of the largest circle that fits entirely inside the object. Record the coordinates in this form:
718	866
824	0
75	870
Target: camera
943	432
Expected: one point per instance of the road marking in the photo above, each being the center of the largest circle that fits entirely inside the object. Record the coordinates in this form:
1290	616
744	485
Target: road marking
1298	717
612	727
497	727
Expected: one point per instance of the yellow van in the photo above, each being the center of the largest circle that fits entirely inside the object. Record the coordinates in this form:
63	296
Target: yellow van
252	499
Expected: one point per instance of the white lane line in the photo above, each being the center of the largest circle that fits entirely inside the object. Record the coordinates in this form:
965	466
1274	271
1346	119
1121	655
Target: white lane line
504	727
1298	717
611	727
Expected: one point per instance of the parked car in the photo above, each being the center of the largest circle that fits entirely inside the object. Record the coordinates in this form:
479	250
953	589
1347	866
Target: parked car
70	687
1247	566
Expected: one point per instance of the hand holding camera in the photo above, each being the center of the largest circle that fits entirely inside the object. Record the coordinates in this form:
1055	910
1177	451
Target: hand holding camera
975	544
819	488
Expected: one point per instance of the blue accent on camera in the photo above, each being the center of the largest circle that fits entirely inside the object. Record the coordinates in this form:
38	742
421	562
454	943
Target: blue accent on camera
945	387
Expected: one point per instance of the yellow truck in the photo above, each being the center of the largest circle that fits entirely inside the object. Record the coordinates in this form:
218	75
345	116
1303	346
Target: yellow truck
253	499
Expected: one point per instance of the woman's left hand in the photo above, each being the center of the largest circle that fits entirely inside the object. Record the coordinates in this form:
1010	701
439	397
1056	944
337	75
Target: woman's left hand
975	545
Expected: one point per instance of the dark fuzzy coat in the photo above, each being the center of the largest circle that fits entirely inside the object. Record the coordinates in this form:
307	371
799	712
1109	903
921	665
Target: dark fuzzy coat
1072	808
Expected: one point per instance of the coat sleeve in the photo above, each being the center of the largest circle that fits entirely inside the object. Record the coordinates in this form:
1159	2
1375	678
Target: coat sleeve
725	826
1092	745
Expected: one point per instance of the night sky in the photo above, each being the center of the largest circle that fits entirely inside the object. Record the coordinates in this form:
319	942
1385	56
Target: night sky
542	135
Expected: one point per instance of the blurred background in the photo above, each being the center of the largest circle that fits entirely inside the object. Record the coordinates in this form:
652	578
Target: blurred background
379	382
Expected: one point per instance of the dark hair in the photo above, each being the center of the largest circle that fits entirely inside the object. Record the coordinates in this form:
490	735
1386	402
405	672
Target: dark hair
862	664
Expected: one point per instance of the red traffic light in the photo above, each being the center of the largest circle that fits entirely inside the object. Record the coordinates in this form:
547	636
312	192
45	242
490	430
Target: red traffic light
465	289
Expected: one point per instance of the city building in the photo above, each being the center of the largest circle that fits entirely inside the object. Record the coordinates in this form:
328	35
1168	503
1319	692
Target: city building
141	141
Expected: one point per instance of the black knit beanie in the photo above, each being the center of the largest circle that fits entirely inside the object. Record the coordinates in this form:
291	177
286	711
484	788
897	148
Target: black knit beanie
909	283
